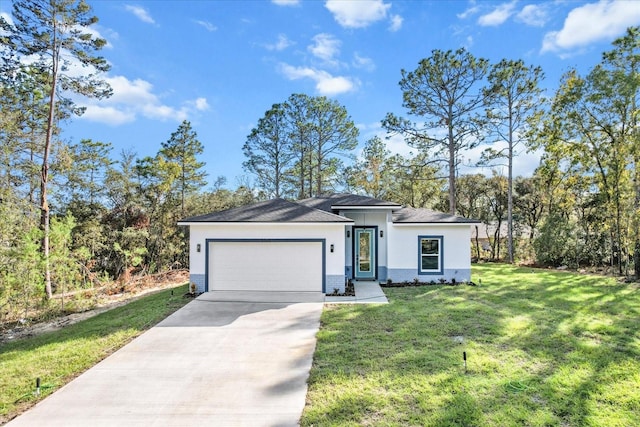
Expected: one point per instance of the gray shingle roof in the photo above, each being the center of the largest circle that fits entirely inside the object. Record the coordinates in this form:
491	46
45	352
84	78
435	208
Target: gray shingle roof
325	203
319	209
422	216
276	210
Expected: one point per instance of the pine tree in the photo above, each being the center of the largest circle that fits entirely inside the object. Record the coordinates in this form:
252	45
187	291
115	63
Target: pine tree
55	32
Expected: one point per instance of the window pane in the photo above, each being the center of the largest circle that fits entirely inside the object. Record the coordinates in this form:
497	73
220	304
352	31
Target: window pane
430	246
430	263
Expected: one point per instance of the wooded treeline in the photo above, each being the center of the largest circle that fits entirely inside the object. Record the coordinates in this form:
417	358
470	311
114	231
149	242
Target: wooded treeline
581	207
76	215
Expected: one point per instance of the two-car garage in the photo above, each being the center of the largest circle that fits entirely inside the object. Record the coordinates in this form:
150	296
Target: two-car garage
281	265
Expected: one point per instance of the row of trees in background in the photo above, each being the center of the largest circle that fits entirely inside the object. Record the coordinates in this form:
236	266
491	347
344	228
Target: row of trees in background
588	131
297	149
73	216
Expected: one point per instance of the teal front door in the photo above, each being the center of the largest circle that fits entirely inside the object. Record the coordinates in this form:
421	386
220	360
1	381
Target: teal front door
364	253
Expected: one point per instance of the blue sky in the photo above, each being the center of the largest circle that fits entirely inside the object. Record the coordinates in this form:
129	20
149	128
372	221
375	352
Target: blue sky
222	64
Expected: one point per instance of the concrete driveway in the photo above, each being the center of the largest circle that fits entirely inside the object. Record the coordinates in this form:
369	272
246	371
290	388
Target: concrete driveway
221	363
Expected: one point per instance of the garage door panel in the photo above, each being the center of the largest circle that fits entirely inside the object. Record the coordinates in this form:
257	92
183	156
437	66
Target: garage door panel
266	266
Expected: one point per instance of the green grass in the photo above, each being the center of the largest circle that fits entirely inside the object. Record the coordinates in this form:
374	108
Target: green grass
57	357
544	348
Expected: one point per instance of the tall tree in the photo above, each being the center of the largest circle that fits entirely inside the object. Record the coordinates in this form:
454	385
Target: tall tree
127	221
372	174
444	94
529	202
269	152
473	202
334	135
181	150
298	117
593	125
624	62
512	96
24	109
497	202
56	33
298	146
419	181
90	162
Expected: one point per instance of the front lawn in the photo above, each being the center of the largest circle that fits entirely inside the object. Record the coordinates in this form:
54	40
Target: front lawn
58	357
544	348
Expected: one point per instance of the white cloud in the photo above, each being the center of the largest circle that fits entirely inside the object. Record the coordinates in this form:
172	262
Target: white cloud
363	62
286	2
498	16
396	23
207	25
471	10
468	42
201	104
396	144
282	43
534	15
591	23
108	115
163	112
357	13
134	98
326	84
126	91
325	47
141	13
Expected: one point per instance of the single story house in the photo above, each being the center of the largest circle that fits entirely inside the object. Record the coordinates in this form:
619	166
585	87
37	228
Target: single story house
317	244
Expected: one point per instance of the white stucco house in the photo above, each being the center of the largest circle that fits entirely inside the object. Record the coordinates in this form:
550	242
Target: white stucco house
317	244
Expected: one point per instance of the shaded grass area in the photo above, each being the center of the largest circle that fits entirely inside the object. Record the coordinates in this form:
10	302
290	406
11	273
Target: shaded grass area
57	357
544	348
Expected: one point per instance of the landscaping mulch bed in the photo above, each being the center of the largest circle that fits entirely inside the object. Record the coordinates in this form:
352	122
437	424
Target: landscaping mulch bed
432	283
349	291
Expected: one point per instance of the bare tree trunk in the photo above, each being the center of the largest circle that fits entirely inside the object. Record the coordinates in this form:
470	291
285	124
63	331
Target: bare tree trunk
496	241
636	222
44	174
452	173
510	192
319	173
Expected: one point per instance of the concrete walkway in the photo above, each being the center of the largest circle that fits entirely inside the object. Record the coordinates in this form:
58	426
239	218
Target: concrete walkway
367	292
216	363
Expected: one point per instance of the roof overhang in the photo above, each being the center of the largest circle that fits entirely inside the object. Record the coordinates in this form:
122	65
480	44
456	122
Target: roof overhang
433	224
219	223
364	207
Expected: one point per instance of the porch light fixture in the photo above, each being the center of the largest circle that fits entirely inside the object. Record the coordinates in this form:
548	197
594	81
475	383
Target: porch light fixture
332	248
348	234
198	247
381	233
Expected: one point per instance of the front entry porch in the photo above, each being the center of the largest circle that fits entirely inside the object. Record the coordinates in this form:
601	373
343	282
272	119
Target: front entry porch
367	292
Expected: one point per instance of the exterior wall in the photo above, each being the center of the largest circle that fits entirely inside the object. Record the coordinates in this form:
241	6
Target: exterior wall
198	280
373	218
404	252
333	233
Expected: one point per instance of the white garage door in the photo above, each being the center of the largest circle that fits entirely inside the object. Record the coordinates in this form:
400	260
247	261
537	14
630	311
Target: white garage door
266	266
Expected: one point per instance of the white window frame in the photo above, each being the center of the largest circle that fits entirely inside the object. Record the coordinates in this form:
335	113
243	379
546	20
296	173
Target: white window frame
440	269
